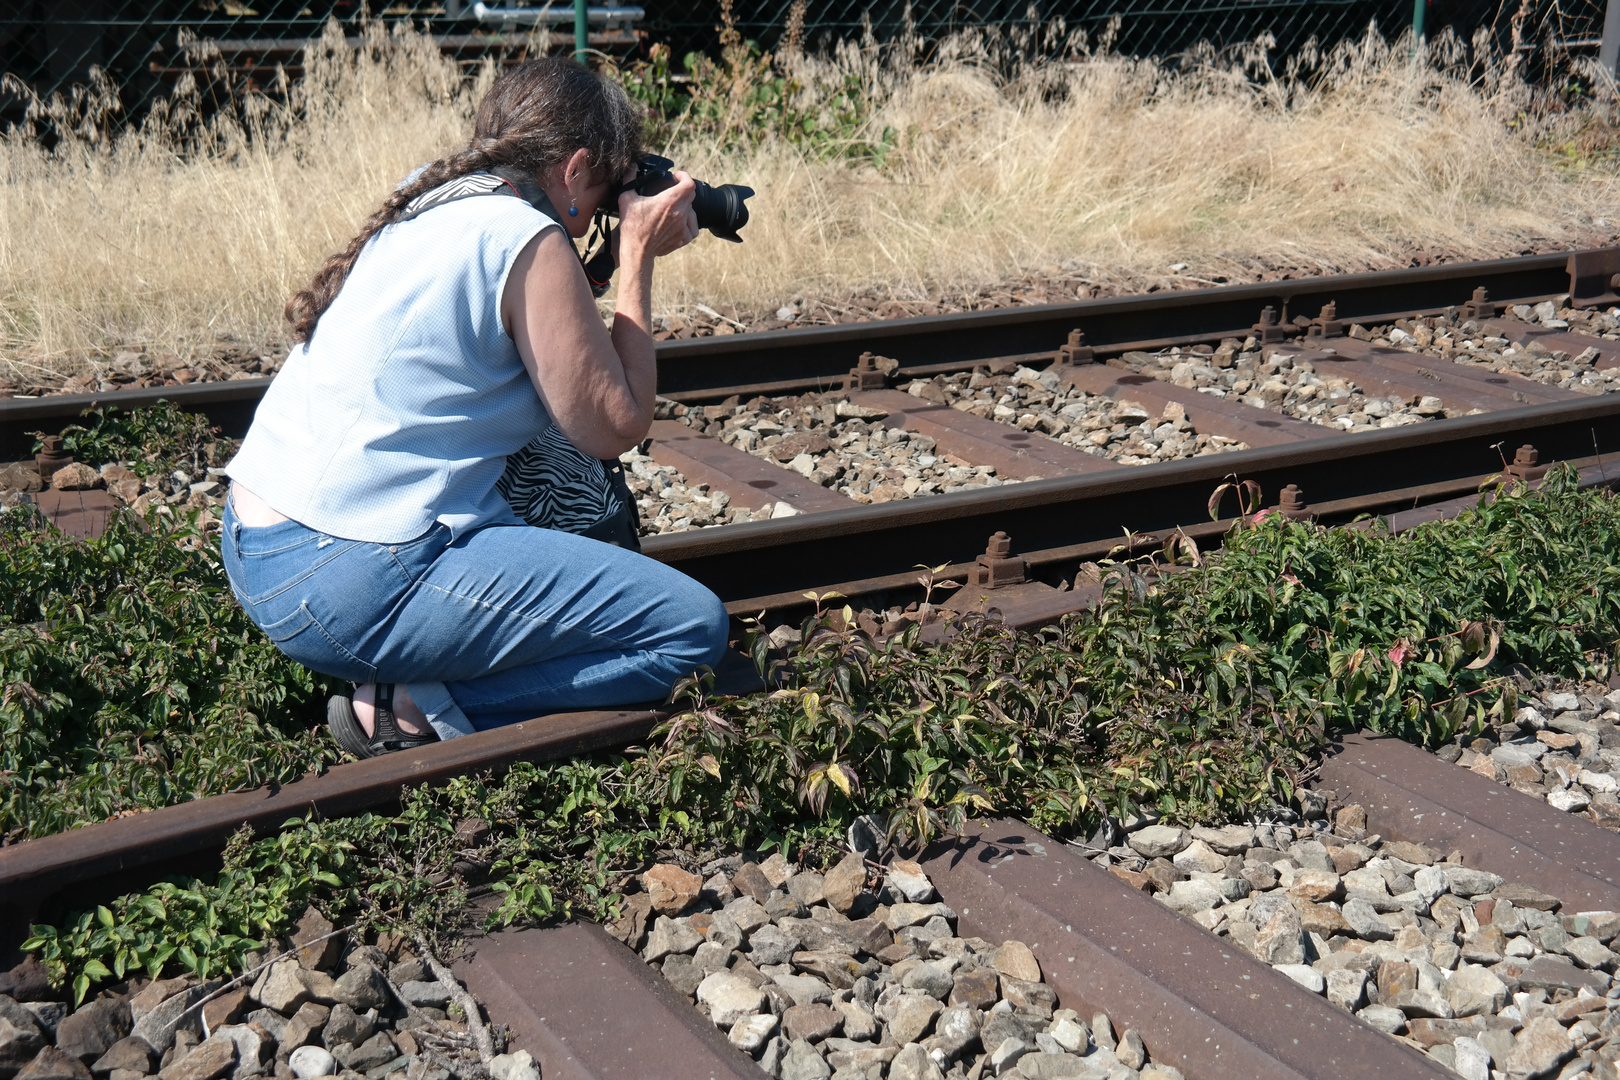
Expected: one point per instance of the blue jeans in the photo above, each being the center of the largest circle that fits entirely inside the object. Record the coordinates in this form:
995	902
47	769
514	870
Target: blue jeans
506	623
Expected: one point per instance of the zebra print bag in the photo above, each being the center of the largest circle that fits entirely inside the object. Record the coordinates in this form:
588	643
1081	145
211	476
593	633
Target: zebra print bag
552	485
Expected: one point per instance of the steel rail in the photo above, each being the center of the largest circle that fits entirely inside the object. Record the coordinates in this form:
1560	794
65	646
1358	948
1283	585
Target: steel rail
790	360
784	557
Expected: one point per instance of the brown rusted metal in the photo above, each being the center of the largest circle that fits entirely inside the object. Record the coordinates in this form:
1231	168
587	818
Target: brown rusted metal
1291	503
1076	351
748	480
1199	1003
1594	277
1498	390
1015	454
1379	380
1479	308
998	567
50	458
1269	329
865	375
1207	414
1410	794
34	869
1376	381
1572	342
1325	325
82	514
870	542
1527	465
587	1008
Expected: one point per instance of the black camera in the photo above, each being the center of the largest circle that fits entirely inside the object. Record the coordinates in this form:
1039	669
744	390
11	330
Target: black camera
720	209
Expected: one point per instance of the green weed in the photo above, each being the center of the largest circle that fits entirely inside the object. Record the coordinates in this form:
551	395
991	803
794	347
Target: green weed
1203	696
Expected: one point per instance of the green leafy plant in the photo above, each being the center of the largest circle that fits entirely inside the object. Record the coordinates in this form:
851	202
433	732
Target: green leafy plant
154	440
747	96
131	679
1204	695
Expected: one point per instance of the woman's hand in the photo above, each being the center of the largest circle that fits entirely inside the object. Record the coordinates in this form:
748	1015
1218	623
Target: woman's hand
659	224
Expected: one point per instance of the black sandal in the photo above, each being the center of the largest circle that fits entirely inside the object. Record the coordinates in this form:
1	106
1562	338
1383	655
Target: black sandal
386	737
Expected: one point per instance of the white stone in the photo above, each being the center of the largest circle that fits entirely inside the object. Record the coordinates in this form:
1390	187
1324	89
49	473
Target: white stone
308	1062
1597	781
1305	975
730	998
1570	800
1562	702
518	1066
1005	1056
1192	896
1466	881
1389	1021
1430	882
1158	841
782	510
1346	988
1473	1061
1518	753
751	1032
1530	717
1199	856
907	877
1070	1035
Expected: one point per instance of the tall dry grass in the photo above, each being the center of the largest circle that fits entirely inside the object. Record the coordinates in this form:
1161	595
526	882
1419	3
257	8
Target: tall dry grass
181	237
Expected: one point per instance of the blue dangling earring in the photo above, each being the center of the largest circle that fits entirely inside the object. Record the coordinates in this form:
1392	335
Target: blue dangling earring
573	211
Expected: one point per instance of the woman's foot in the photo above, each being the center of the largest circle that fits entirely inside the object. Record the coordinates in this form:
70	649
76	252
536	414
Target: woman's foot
377	719
411	720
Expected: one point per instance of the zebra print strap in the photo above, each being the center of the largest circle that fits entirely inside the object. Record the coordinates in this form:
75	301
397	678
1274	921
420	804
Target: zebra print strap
552	485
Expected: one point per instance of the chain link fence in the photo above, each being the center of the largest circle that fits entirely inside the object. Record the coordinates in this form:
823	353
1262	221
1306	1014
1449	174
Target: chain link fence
49	47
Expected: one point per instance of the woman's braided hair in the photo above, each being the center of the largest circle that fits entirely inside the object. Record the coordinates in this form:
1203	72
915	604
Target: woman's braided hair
534	118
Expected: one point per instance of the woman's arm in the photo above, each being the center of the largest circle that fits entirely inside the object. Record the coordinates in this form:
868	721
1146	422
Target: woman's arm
599	386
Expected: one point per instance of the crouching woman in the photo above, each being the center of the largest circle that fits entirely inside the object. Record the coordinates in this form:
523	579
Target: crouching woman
364	532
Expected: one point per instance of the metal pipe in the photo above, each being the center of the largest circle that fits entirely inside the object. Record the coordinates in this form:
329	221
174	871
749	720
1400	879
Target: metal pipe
1609	50
1420	9
581	34
554	15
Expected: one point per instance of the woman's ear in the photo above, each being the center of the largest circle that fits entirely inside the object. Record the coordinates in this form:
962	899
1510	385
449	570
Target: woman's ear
577	177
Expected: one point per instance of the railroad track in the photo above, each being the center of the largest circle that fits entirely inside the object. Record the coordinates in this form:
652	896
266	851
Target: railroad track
1199	1004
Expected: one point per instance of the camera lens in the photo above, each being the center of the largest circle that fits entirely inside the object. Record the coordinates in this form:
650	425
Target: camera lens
721	209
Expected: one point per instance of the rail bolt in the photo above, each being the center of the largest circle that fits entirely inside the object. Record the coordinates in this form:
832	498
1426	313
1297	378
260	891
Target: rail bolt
1291	503
1076	351
1527	464
998	566
1268	330
1327	324
51	458
1480	307
865	375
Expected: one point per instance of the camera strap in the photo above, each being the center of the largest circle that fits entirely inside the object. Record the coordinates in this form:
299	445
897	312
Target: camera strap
509	180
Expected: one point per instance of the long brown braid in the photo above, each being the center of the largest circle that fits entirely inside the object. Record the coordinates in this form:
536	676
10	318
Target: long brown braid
534	117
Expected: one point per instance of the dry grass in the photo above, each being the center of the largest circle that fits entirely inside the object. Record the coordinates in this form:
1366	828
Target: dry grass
181	240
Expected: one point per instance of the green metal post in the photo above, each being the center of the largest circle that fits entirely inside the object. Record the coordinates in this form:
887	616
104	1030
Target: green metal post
582	31
1419	10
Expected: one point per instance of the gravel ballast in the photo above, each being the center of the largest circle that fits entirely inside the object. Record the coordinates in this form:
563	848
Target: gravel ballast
1563	748
817	975
331	1009
1279	379
1488	977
